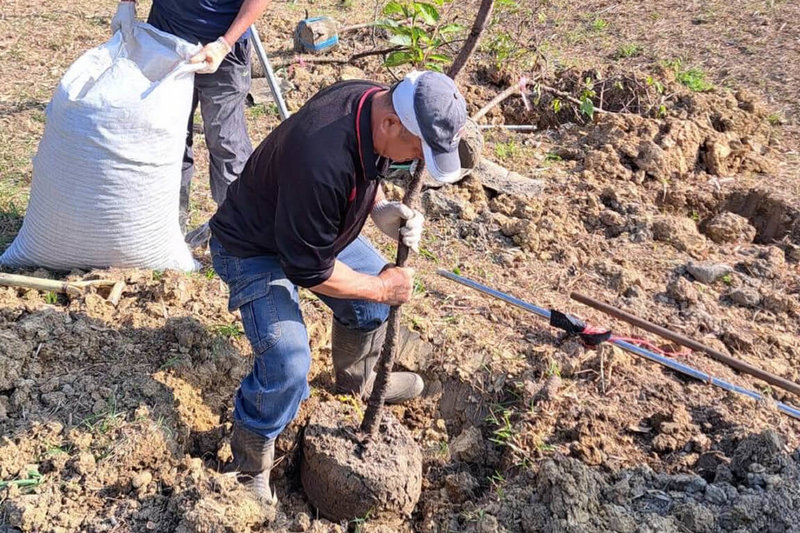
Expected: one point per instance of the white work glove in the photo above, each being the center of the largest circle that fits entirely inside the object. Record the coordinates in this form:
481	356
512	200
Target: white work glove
399	221
212	55
124	18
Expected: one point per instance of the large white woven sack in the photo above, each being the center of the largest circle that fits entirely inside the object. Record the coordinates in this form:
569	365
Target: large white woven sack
106	177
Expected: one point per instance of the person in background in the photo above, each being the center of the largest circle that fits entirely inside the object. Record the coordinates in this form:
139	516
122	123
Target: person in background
220	87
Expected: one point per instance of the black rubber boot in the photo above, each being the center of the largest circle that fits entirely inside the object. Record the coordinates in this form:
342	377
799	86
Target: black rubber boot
354	356
252	462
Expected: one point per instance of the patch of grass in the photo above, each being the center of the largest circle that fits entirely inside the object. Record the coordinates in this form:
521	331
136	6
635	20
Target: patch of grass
230	331
419	287
727	279
551	156
693	77
504	431
32	478
497	481
598	24
158	275
358	523
263	110
106	420
53	451
427	254
628	50
444	449
774	119
553	368
507	149
209	273
51	298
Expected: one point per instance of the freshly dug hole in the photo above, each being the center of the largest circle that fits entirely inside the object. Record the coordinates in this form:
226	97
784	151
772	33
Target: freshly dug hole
345	480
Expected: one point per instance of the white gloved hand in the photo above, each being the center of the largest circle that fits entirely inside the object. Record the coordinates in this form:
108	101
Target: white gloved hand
212	55
399	221
124	18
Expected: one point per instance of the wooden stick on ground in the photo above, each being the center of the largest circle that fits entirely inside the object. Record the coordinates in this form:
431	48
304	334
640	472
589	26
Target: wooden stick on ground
518	87
72	288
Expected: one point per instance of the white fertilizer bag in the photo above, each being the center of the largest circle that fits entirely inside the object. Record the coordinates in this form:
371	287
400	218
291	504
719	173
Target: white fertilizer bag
106	177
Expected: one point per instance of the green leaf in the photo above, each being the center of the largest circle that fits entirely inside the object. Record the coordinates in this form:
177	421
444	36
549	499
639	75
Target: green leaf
587	107
399	30
441	58
393	8
450	28
428	12
400	57
401	40
434	66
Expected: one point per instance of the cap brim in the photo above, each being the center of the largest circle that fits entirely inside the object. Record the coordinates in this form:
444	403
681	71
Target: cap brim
444	167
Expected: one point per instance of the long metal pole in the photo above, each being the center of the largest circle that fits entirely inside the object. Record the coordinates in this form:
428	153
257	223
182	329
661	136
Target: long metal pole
738	364
627	346
274	86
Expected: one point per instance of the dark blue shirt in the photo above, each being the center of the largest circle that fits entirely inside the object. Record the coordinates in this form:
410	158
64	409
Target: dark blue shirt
201	21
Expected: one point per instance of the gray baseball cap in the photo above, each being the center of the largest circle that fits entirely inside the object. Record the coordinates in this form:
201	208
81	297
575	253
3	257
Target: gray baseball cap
430	106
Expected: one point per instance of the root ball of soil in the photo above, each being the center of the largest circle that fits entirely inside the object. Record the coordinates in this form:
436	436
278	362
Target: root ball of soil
345	479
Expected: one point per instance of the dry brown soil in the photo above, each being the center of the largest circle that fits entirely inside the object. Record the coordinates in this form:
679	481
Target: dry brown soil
118	417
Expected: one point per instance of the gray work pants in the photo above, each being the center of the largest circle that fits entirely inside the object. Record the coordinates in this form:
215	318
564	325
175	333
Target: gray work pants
221	96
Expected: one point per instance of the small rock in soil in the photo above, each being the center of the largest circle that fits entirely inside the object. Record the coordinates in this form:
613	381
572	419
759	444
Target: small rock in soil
612	219
438	205
708	272
461	487
745	297
549	390
737	341
680	232
729	227
468	446
142	479
682	291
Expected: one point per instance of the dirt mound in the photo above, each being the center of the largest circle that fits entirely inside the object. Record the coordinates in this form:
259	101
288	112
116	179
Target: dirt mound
107	427
346	479
759	492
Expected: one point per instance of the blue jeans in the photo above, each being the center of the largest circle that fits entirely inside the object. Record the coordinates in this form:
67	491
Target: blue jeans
270	395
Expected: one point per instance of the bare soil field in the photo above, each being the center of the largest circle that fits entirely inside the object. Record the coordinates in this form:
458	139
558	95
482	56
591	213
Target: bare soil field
677	201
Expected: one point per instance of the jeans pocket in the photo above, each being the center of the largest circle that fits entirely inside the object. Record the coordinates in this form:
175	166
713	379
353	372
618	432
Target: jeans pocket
254	300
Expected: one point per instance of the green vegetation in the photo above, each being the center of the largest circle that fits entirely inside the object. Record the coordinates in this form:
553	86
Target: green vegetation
416	27
628	50
504	49
32	479
228	330
774	119
553	368
427	254
505	149
51	298
587	105
693	77
504	431
599	24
